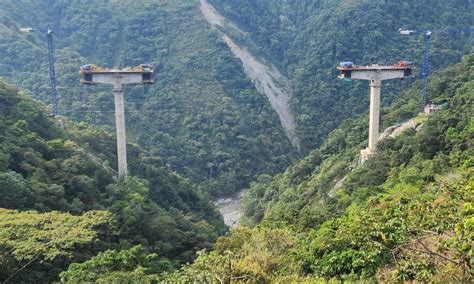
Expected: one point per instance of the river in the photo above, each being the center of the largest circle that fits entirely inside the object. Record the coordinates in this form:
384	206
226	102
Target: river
229	207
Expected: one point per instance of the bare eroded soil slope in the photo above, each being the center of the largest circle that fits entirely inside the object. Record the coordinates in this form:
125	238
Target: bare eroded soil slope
266	77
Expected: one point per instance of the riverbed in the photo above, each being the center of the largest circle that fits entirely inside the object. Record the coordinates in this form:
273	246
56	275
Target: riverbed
229	207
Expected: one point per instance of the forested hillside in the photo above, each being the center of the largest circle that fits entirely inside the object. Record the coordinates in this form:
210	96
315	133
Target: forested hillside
203	116
406	214
56	170
307	39
246	99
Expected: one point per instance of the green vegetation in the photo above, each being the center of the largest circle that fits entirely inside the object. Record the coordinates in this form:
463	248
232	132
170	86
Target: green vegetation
202	130
406	214
126	266
29	237
202	116
46	167
307	39
408	233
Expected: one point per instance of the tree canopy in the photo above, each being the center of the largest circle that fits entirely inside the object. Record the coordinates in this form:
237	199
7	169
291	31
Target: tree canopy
53	164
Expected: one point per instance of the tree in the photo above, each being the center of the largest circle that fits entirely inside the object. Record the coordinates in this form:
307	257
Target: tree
26	237
123	266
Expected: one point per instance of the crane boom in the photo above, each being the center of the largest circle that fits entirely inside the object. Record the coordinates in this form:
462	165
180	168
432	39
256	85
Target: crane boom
52	73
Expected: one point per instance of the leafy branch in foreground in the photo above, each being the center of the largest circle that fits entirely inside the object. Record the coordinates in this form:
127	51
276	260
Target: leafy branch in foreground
29	236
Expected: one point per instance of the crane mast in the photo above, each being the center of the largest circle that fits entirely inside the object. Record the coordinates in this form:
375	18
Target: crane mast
425	72
52	73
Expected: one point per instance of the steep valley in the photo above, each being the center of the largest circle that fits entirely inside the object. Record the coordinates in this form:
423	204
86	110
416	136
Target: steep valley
243	155
203	116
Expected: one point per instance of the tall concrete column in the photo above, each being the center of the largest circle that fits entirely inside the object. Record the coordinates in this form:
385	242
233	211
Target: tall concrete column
375	86
92	74
376	74
120	128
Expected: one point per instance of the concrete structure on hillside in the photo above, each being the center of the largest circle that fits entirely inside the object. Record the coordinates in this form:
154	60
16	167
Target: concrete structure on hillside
375	74
142	74
431	108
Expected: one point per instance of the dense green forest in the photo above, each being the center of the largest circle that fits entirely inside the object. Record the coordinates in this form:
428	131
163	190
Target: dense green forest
406	214
50	170
203	116
203	131
307	39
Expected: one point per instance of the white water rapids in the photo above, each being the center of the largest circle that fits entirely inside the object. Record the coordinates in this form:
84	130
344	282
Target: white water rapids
266	77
